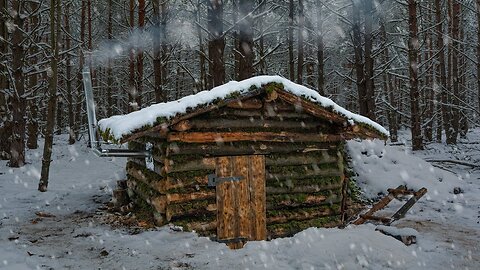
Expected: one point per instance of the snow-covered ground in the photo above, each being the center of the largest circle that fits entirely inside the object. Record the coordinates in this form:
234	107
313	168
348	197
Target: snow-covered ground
75	238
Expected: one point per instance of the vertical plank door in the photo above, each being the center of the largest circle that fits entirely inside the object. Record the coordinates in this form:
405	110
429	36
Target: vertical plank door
241	206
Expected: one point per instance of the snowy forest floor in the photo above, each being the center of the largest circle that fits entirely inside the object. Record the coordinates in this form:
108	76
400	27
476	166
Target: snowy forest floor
76	236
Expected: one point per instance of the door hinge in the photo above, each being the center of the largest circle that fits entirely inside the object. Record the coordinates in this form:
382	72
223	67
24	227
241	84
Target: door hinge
214	180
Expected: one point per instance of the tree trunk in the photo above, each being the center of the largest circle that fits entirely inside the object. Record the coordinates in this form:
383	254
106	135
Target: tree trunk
417	143
55	22
141	25
109	63
291	60
455	120
68	41
441	71
216	44
159	11
477	3
320	48
357	47
429	94
245	39
132	91
32	123
18	101
300	58
81	62
5	130
369	83
388	86
262	65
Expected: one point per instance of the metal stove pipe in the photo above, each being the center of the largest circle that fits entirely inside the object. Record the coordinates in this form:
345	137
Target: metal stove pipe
95	142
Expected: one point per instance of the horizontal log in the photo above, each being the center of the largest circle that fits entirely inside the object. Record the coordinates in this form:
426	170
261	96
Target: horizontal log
149	178
293	227
245	123
285	215
312	108
222	137
175	182
301	189
238	113
189	165
278	201
158	202
245	148
300	159
181	198
302	175
191	209
249	104
316	180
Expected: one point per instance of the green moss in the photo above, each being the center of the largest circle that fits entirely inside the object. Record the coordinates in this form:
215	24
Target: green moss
315	180
150	175
190	174
299	169
275	201
270	87
335	208
294	226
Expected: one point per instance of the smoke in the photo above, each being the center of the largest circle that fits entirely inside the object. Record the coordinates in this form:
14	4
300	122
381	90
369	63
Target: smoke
179	34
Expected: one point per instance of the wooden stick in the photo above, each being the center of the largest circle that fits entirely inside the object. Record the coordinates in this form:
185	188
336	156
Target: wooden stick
403	210
378	206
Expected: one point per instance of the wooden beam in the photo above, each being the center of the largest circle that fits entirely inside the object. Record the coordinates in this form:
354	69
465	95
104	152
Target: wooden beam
221	137
312	108
254	148
239	124
249	104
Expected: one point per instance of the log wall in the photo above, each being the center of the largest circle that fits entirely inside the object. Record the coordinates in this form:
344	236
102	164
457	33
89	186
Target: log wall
303	157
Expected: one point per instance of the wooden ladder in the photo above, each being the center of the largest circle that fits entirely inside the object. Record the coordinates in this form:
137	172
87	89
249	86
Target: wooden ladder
398	192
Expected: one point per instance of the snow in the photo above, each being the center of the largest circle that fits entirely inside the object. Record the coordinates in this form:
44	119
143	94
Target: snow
381	166
121	125
76	238
397	231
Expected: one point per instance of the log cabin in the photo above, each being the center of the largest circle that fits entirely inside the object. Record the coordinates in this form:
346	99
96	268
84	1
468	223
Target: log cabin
250	160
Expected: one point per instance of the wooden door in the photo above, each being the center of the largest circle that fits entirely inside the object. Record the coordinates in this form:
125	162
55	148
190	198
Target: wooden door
241	207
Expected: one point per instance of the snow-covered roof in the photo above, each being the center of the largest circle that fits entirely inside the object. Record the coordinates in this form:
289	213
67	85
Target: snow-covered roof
121	126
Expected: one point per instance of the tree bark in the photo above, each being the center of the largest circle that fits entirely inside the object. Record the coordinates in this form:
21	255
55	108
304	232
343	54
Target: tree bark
18	101
359	67
5	127
477	4
245	38
32	123
300	58
369	83
68	44
159	41
417	143
388	86
216	44
291	60
132	91
109	63
139	81
441	69
55	22
455	119
320	49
